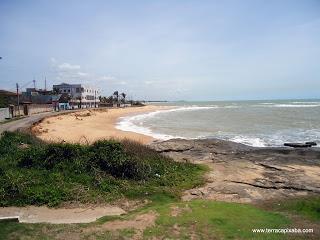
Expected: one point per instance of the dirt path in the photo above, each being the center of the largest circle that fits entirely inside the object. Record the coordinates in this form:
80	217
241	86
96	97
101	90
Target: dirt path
138	224
34	214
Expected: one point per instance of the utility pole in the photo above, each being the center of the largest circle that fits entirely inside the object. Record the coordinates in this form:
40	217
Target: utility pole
17	85
45	83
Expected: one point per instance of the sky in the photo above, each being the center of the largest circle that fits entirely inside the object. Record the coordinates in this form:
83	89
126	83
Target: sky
165	50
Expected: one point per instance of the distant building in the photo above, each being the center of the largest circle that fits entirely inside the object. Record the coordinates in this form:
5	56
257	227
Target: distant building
7	98
81	96
37	96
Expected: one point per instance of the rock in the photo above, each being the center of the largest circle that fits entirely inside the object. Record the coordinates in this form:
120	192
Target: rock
297	145
240	173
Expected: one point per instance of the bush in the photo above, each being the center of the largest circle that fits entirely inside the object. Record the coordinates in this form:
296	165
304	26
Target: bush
51	173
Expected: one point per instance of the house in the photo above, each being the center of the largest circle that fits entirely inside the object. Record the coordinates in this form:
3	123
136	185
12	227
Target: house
37	96
7	98
64	101
81	96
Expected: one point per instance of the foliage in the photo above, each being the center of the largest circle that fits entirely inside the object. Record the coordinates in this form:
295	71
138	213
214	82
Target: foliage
34	172
197	219
308	207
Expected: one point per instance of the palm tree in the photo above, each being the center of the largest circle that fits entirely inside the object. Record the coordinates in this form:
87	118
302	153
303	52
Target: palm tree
80	103
116	97
123	95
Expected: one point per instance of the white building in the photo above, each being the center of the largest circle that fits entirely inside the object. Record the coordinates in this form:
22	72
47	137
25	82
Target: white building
80	95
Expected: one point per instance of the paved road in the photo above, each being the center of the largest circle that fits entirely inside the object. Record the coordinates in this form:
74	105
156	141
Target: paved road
26	122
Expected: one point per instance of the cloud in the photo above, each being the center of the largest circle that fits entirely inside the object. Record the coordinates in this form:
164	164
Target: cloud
53	60
83	74
111	80
73	73
107	78
121	83
68	66
149	82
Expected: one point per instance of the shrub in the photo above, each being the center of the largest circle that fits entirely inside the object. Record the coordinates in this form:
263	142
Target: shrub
50	173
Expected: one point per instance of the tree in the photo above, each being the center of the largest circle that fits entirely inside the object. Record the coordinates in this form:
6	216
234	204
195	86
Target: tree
116	97
80	101
123	95
55	91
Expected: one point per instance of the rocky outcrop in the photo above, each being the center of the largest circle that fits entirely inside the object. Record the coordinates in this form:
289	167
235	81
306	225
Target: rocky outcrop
240	173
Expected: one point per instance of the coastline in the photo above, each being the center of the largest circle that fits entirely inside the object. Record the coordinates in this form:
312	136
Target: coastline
90	125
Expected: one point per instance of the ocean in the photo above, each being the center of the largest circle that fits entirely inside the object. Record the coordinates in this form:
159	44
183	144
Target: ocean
267	123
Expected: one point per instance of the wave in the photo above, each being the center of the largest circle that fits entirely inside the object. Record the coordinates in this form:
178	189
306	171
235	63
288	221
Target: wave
297	105
267	103
306	102
127	125
282	105
136	123
251	141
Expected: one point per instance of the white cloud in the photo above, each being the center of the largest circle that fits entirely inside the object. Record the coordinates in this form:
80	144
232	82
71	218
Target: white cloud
53	60
149	82
68	66
83	74
73	73
107	78
122	83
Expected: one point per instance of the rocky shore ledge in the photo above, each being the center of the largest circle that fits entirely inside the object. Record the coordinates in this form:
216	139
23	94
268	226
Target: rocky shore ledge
239	173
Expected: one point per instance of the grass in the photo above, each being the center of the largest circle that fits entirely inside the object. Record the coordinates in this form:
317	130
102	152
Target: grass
306	207
197	219
201	219
204	219
37	173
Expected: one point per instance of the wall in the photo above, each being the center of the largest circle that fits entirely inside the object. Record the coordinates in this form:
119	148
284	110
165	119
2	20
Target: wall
39	108
4	113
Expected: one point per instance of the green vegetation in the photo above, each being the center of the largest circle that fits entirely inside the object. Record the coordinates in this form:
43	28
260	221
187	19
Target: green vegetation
34	172
204	219
307	207
199	219
37	173
3	101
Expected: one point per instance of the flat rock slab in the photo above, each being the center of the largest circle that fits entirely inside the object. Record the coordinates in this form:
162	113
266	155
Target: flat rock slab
240	173
33	214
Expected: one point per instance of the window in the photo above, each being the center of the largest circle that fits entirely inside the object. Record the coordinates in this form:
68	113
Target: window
64	90
68	90
77	90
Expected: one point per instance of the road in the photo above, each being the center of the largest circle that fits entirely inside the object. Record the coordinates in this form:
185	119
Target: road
25	123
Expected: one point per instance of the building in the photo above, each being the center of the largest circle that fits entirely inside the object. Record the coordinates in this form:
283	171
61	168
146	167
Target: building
7	98
80	95
37	96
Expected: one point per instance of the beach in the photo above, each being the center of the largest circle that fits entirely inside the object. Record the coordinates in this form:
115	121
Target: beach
90	125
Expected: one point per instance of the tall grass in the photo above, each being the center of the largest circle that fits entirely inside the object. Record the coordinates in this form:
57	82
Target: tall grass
35	172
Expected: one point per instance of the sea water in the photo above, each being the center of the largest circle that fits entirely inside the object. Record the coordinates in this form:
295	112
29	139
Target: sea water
255	123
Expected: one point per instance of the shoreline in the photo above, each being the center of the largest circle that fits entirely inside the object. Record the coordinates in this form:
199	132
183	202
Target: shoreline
91	125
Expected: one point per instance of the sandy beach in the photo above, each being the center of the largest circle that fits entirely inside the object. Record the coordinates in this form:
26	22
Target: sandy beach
90	125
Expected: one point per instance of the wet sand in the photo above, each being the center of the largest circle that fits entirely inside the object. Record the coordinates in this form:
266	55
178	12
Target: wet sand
90	125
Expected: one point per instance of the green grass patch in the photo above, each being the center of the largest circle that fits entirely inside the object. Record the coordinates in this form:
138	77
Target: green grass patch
197	219
33	172
205	219
306	207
